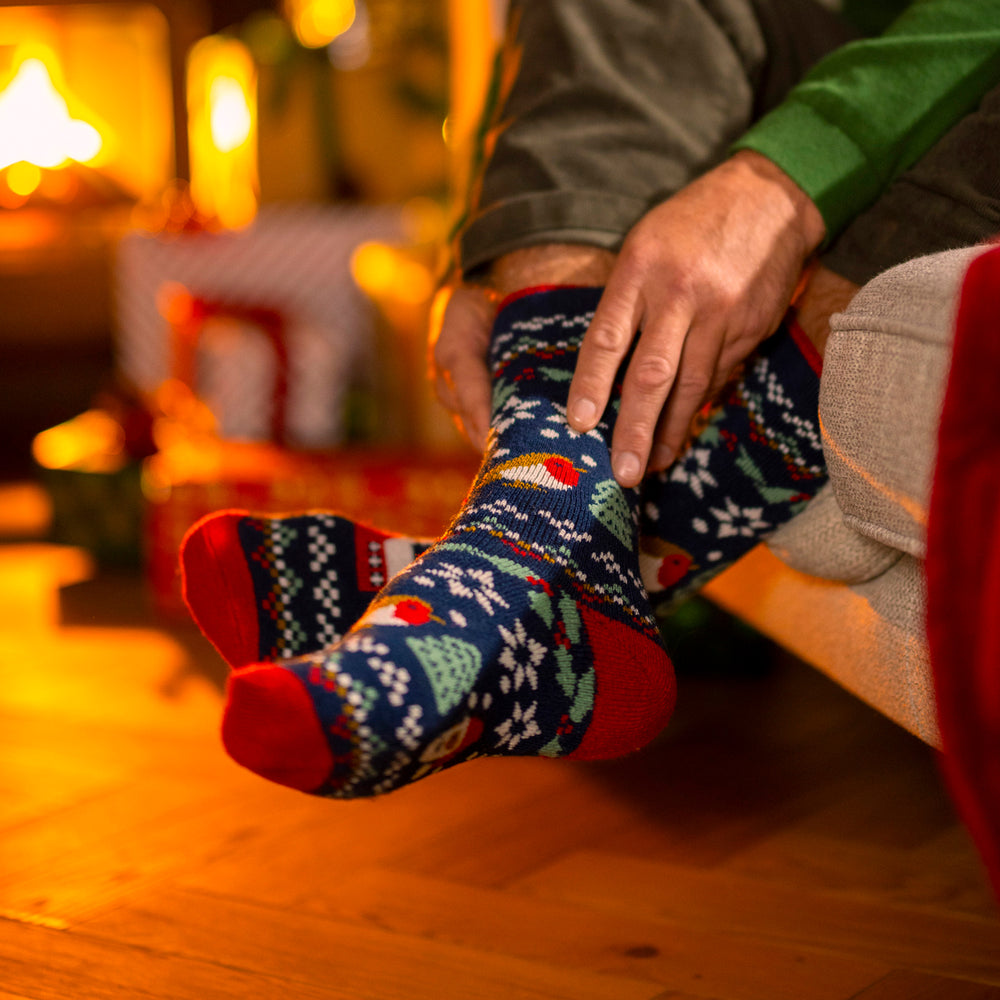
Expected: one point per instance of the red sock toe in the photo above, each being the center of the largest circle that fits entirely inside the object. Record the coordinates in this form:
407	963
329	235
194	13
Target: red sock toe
269	727
218	589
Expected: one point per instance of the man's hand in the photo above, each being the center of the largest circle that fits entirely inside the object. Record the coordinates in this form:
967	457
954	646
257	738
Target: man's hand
458	348
460	341
706	276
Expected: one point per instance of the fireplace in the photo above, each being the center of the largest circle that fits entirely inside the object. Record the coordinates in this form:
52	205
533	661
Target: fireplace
92	125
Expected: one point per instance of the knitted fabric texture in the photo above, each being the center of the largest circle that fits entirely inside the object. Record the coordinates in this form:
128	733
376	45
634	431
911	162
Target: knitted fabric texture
524	630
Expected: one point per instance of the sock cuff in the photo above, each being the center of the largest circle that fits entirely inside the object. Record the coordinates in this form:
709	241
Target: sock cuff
806	347
557	315
538	290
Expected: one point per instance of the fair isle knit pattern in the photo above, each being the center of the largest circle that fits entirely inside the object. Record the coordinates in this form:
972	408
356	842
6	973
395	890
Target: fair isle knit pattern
273	587
525	630
755	463
314	575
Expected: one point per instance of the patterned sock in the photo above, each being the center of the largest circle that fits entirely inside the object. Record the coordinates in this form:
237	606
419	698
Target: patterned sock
270	588
756	461
311	576
525	630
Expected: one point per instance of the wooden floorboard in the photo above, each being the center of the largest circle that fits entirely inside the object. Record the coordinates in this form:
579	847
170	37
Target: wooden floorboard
781	840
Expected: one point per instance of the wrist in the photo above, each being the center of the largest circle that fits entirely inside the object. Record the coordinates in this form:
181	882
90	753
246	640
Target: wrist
551	264
785	194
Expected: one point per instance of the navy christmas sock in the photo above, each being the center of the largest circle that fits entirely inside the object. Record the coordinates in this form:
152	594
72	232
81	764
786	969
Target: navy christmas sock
272	587
524	630
265	587
754	463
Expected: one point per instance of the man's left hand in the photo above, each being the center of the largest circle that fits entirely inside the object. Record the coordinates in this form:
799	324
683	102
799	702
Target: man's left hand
705	276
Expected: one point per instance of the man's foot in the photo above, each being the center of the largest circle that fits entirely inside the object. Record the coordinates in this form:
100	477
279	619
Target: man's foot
754	463
525	630
269	588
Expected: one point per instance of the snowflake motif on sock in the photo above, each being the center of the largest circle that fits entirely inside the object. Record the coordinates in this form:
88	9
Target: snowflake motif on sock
694	471
362	642
520	656
474	584
327	632
522	725
327	594
396	766
565	528
736	520
512	411
321	548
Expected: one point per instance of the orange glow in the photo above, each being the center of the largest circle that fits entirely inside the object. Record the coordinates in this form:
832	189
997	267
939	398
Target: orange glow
25	510
75	81
474	37
23	178
36	125
383	272
175	303
92	442
30	228
319	22
222	125
230	115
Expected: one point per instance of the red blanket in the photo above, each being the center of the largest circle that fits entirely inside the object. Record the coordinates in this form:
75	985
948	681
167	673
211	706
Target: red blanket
963	563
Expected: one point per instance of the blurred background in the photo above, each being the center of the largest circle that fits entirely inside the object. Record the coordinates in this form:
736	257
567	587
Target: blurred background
222	225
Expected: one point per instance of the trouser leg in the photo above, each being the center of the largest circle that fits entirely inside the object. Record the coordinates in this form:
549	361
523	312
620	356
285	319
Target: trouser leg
607	107
948	199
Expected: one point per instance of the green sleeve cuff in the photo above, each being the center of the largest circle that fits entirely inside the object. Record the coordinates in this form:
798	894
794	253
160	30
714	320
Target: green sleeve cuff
823	160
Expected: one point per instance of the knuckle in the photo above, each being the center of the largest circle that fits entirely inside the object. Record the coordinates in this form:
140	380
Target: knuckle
609	338
694	383
652	374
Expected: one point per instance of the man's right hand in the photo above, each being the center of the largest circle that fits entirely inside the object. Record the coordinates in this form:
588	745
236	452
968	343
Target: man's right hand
460	343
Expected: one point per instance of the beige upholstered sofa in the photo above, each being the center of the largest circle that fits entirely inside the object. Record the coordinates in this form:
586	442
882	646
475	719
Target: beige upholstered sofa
841	585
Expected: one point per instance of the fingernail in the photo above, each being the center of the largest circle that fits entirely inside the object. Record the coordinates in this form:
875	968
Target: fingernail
626	466
662	457
584	412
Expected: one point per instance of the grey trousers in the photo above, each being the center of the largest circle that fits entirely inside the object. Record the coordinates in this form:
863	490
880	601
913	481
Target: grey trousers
608	107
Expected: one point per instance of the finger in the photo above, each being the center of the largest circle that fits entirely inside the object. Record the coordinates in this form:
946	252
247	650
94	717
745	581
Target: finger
698	378
647	384
459	343
604	345
471	388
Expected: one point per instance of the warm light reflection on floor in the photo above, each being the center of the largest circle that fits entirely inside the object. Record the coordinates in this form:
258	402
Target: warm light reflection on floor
30	578
88	674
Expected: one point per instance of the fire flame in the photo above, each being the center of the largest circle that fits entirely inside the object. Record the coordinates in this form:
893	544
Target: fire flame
36	126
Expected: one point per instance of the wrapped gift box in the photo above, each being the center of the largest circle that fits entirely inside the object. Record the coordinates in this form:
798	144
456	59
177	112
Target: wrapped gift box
293	263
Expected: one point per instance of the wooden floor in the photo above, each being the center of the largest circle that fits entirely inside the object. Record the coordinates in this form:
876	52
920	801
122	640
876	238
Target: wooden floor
779	842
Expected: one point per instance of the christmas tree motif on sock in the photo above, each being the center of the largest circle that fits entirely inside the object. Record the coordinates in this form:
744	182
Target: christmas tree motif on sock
755	463
524	630
270	588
